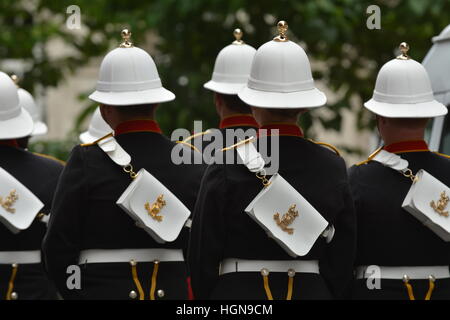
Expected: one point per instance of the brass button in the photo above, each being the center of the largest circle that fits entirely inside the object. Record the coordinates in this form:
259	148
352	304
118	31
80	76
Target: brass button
14	296
291	273
264	272
133	294
161	293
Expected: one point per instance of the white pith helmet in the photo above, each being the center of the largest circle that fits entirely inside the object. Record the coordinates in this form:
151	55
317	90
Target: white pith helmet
403	90
15	121
98	128
281	76
27	101
128	76
232	67
437	64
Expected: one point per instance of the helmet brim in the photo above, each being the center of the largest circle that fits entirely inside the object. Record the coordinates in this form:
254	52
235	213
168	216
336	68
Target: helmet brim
429	109
312	98
224	87
158	95
18	127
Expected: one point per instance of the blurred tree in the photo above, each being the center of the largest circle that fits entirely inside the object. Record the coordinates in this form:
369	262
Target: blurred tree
184	37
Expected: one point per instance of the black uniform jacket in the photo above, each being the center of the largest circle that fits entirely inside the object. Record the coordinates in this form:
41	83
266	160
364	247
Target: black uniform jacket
239	126
86	216
387	234
221	229
40	175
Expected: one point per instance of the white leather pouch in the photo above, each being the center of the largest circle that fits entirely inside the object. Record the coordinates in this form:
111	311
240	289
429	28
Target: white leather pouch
281	210
18	205
287	216
427	199
157	210
146	200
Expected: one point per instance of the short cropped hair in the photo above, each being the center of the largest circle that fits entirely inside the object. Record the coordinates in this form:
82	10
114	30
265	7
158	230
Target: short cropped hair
288	113
234	103
136	111
409	122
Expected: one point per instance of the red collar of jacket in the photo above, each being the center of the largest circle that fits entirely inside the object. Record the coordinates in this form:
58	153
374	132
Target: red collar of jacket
284	129
137	126
407	146
238	120
9	143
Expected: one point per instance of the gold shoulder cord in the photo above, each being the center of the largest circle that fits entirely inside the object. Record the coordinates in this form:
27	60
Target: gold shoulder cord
407	172
185	141
442	155
189	145
128	168
326	145
372	155
50	157
96	141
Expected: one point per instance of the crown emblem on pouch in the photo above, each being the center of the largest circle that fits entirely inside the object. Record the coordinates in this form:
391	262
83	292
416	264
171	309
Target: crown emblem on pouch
441	205
155	208
9	201
286	219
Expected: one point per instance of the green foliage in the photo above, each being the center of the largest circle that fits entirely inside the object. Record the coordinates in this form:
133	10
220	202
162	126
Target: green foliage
192	32
59	149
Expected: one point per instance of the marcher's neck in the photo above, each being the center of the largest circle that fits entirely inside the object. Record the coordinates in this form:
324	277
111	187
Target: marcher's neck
124	119
225	112
400	137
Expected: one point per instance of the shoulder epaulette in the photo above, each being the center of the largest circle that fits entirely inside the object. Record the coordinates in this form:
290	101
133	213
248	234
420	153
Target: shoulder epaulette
96	141
442	155
330	146
189	145
240	143
50	157
370	157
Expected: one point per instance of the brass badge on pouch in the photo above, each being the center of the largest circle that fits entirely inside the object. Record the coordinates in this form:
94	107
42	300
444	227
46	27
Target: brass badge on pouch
155	208
9	201
287	219
441	205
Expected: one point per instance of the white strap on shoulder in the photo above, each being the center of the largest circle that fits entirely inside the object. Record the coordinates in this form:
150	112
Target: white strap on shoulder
250	157
391	160
113	149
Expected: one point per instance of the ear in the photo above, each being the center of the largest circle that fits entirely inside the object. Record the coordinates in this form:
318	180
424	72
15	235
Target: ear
106	112
218	99
218	102
256	112
103	111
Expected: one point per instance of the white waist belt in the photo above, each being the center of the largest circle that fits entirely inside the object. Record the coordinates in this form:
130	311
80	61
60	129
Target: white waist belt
20	257
126	255
422	272
239	265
